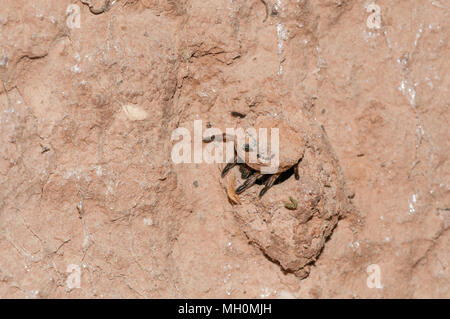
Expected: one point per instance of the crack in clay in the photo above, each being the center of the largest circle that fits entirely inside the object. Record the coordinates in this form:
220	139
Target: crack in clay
267	10
282	36
407	88
106	6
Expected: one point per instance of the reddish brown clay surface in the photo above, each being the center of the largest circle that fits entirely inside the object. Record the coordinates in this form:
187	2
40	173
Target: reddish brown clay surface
92	205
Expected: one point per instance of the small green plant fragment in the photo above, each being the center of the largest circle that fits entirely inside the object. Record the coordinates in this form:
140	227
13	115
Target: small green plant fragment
292	205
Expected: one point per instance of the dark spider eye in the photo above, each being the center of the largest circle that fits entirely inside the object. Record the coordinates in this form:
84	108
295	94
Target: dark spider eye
247	148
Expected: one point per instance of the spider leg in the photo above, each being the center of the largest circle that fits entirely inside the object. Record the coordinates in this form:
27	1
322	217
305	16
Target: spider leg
248	182
269	183
228	167
220	137
297	176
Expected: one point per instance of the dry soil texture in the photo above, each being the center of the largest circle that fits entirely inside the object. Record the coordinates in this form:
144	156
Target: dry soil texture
92	206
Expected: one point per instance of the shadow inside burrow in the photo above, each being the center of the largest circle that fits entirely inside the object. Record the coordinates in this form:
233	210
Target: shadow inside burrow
246	171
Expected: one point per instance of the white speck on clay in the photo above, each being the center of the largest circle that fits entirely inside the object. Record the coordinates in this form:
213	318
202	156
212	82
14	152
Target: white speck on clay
412	202
75	69
148	221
